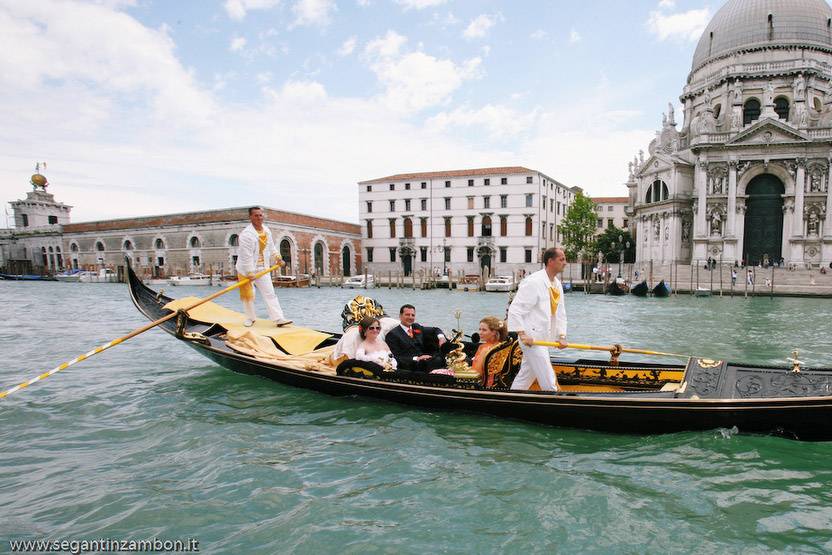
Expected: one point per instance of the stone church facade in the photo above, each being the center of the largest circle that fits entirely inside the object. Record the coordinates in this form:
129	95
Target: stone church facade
746	178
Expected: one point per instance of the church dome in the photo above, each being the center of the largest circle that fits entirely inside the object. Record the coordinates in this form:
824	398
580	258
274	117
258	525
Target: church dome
39	180
750	24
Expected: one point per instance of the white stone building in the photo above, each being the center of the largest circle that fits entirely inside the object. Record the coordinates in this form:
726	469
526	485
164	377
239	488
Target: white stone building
496	220
611	211
747	176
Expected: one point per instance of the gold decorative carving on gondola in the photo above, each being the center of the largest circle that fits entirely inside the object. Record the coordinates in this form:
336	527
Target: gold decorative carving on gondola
359	308
708	362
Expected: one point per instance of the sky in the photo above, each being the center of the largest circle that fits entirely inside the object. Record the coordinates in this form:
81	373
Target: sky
144	107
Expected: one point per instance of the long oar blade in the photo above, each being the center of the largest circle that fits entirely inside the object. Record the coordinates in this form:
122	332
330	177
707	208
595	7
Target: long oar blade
608	349
134	333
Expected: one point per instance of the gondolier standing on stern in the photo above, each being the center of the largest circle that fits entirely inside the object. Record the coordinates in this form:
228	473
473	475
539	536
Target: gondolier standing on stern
537	313
254	255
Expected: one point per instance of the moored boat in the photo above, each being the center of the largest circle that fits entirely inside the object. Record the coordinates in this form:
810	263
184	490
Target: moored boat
662	289
604	395
195	279
641	289
69	276
702	292
359	282
501	284
618	287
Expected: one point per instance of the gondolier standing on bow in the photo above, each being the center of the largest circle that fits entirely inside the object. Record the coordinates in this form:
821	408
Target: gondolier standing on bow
537	313
255	254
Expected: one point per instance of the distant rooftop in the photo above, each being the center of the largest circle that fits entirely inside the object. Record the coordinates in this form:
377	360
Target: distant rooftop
610	200
475	172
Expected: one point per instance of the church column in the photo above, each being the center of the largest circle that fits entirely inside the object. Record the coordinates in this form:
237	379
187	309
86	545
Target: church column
732	198
700	183
799	186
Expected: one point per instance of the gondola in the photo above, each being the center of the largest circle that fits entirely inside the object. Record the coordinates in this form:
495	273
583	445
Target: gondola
603	395
617	287
661	289
641	289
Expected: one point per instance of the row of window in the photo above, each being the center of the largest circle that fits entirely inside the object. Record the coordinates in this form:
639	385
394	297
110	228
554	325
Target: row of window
600	208
424	184
656	192
485	227
486	203
611	222
25	220
158	244
470	254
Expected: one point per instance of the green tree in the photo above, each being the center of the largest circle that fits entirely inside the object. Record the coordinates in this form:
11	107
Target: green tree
610	244
578	228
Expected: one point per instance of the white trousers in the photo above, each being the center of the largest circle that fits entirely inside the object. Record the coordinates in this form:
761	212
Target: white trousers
536	365
266	288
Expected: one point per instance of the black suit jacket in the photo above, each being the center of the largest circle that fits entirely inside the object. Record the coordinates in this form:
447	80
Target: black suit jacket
424	342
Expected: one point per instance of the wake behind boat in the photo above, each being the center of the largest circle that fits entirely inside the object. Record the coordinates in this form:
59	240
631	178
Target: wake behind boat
609	396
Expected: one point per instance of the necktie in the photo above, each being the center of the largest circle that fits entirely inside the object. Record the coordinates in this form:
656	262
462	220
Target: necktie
554	297
410	332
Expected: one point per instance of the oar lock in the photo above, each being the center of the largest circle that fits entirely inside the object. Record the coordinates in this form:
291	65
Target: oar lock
795	361
615	352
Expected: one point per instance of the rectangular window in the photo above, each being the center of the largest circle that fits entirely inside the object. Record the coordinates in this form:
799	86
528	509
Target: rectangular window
486	202
369	188
470	226
195	260
53	220
543	230
503	255
551	205
470	254
423	254
543	202
369	206
392	254
447	184
160	261
369	229
392	186
470	203
610	222
407	186
447	227
503	226
424	185
369	254
392	228
504	181
447	203
528	179
529	200
392	205
626	223
609	208
600	223
25	220
470	182
551	231
486	181
447	254
528	256
503	201
423	224
407	205
424	204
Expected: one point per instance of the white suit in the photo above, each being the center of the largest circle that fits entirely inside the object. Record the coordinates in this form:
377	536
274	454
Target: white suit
248	254
531	312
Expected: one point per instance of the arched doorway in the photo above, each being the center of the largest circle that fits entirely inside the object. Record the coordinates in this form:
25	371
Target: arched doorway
345	260
319	259
286	255
406	254
485	254
763	219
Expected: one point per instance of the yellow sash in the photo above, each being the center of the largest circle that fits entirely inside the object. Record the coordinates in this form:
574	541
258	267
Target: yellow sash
554	297
262	239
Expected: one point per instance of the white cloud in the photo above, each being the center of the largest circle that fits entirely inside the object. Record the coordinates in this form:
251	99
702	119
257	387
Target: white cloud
348	46
685	26
574	36
539	34
237	9
499	121
363	3
419	4
414	81
313	12
237	44
480	26
667	3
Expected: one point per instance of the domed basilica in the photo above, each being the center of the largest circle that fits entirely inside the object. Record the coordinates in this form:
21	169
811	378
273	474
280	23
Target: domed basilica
747	176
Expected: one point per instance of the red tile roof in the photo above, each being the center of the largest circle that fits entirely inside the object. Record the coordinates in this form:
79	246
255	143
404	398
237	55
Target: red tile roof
450	173
610	200
213	216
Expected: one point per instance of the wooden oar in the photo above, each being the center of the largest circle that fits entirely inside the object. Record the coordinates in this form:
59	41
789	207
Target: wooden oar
136	332
609	349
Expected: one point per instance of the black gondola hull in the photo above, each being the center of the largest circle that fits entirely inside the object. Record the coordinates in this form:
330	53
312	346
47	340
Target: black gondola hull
805	418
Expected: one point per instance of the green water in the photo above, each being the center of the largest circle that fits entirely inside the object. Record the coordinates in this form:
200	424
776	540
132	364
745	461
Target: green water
151	440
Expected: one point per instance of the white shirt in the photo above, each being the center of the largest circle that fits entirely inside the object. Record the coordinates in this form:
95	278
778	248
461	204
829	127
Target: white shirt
531	309
249	250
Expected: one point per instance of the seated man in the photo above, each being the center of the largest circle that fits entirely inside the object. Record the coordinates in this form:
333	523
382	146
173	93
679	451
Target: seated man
415	347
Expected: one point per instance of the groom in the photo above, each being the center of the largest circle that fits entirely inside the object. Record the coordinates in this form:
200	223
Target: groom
415	347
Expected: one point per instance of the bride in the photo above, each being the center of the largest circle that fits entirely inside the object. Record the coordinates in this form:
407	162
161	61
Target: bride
373	348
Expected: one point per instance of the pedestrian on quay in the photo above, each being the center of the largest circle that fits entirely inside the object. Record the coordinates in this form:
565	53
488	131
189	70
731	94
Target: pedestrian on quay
733	276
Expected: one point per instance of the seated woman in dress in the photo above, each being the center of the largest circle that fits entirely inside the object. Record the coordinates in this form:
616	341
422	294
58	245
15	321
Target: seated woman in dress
373	348
493	331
